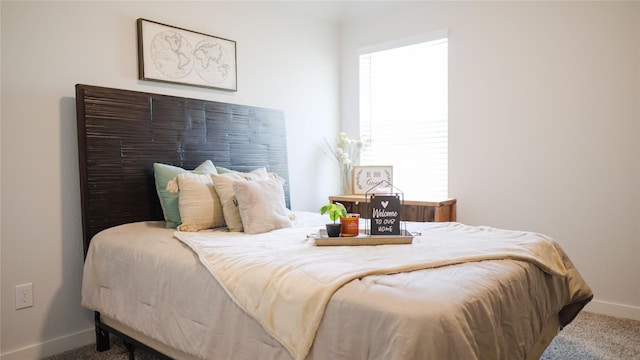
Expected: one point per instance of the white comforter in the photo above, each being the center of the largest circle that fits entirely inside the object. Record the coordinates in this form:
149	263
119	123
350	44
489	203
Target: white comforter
284	281
141	276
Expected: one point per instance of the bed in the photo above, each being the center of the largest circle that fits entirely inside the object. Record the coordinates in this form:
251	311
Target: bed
457	292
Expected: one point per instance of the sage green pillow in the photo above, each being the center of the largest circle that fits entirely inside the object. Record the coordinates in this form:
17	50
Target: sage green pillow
164	173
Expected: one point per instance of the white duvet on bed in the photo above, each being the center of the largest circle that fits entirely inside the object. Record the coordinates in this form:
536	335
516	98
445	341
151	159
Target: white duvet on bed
489	309
284	281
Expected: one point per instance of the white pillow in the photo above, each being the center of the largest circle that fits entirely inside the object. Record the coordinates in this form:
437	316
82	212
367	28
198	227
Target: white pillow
272	175
163	174
261	205
223	184
198	202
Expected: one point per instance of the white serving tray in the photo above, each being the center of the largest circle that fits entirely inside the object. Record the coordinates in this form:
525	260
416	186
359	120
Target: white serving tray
363	238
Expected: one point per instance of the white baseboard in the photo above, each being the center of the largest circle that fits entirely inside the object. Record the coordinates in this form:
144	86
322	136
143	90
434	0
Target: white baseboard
52	347
613	309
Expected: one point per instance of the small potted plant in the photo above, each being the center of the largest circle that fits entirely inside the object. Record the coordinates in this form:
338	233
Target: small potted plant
335	211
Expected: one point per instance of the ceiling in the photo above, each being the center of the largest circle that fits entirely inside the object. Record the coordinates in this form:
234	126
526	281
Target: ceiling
344	11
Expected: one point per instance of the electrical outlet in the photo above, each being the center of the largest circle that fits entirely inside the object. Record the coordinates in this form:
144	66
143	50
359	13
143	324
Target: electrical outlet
24	296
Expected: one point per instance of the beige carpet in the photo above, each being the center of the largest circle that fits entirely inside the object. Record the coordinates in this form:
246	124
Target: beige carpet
596	337
588	337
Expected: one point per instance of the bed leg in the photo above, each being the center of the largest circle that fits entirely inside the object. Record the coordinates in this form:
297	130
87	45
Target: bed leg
131	348
102	335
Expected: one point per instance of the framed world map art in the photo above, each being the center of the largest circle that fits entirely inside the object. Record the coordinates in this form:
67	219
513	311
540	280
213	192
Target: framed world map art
174	55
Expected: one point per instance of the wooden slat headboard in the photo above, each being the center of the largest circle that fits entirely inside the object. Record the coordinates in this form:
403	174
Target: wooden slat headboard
121	133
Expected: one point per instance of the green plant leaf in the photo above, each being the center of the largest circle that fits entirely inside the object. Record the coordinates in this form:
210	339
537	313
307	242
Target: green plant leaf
335	211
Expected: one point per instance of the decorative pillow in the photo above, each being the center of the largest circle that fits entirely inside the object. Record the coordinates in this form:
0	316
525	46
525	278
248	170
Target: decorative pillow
272	175
261	205
224	170
164	173
199	204
224	187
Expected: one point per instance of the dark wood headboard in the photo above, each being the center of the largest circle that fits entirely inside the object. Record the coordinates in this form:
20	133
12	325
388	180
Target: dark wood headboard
121	133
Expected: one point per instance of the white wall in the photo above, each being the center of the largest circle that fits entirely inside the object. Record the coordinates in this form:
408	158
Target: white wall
544	124
285	61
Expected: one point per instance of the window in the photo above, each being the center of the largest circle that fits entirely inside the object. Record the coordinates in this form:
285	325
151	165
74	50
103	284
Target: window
404	115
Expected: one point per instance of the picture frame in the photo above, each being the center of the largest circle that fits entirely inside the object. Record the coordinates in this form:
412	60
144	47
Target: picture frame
174	55
367	177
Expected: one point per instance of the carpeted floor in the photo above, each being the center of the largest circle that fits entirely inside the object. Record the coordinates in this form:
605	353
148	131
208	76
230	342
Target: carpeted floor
596	337
589	337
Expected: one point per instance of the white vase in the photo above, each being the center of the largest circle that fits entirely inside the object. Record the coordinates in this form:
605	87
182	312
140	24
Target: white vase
346	181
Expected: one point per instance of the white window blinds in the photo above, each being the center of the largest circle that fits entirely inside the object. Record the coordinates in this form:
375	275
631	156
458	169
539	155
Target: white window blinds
404	116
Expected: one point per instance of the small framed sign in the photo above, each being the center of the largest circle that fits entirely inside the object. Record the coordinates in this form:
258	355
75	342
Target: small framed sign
366	177
385	214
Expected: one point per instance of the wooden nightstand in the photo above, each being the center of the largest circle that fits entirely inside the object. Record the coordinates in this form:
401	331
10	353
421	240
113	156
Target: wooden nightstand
423	211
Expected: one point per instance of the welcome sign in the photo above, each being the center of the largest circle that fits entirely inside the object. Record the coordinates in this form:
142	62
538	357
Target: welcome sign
385	214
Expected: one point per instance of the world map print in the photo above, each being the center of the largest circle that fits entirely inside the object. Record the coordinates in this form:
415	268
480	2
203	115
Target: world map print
171	54
210	62
177	55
